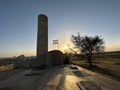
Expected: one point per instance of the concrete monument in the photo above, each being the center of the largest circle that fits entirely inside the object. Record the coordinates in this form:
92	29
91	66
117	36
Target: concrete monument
44	58
42	35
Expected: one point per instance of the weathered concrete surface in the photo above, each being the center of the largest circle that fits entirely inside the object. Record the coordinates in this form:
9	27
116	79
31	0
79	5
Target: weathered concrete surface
64	77
42	35
49	59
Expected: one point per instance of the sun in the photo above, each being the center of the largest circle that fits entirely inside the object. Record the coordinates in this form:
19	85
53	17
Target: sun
66	47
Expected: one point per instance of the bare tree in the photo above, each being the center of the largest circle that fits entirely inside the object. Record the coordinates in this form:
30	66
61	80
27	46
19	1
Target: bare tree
88	45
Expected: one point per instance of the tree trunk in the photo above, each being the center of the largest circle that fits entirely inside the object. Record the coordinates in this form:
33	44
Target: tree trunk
90	62
90	59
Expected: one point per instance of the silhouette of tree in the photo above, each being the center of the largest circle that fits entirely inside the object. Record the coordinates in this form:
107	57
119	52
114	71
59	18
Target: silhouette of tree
88	45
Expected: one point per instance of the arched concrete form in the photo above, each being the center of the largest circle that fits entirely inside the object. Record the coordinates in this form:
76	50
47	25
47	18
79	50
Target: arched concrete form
49	59
57	57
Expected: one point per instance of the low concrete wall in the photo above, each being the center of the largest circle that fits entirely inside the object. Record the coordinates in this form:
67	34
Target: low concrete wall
49	59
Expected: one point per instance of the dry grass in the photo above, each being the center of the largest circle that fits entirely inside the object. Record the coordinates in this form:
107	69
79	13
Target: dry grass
108	64
6	67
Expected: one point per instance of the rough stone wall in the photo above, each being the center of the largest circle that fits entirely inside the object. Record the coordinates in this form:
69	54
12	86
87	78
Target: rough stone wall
19	63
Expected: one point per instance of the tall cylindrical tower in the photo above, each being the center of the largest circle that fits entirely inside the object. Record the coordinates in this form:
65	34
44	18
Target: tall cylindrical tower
42	35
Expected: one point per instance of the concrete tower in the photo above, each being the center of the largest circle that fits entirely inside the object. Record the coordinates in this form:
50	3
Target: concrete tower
42	35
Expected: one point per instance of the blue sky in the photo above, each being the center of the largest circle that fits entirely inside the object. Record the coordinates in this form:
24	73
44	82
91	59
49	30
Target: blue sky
18	23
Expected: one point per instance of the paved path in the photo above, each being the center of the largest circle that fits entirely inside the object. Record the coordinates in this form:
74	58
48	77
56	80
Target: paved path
66	77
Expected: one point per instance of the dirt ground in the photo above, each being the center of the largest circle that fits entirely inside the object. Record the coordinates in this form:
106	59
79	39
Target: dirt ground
105	65
9	73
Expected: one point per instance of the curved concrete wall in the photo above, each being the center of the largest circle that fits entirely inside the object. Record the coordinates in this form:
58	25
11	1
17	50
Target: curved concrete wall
49	59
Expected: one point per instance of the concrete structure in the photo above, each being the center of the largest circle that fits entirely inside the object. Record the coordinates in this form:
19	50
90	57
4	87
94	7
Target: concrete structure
44	58
52	58
42	35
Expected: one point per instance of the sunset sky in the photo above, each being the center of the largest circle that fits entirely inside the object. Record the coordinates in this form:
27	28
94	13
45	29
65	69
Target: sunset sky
18	23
